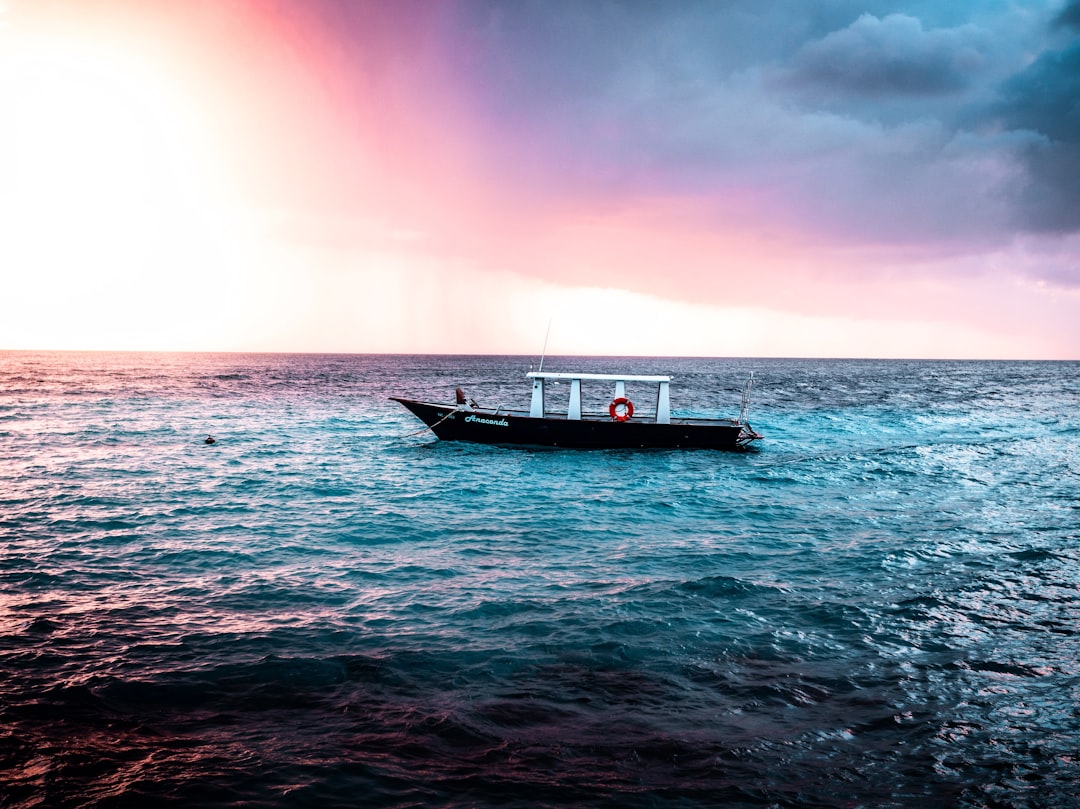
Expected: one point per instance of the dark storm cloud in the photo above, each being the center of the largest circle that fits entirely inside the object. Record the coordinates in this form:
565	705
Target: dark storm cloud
1045	99
694	98
1069	16
890	106
894	55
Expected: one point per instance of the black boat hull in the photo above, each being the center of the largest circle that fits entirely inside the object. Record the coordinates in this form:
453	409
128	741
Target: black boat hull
517	429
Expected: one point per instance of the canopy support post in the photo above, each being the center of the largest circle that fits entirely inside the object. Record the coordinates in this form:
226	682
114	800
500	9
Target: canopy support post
573	412
536	407
663	404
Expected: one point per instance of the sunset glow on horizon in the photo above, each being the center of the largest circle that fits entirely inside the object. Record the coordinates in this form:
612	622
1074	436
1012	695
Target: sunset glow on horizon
823	179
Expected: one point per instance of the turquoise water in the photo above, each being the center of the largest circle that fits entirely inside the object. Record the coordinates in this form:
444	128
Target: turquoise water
879	607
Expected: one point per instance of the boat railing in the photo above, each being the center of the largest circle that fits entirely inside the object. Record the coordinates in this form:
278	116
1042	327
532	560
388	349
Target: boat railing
744	408
537	407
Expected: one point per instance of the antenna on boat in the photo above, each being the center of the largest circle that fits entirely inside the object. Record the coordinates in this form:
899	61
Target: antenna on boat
542	353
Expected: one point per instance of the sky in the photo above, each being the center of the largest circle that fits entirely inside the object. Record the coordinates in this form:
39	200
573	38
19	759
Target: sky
818	178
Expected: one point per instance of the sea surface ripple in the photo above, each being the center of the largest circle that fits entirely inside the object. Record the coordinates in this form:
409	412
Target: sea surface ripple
879	607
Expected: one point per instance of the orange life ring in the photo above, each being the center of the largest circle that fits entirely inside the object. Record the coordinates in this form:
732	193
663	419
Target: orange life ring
627	408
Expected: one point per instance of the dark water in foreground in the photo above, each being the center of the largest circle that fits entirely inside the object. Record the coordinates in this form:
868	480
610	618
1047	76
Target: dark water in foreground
881	607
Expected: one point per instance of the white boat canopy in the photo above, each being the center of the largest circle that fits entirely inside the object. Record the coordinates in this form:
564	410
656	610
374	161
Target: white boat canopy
573	411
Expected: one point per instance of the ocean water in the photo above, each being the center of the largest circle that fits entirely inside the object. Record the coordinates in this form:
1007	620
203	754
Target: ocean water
879	607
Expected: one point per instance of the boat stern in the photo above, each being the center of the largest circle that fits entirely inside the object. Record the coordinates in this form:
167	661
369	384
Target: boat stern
747	435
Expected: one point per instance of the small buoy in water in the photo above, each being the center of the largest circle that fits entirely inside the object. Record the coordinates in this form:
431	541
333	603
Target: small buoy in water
209	439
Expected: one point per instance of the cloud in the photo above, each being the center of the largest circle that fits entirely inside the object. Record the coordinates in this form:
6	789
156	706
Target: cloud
820	124
614	102
893	55
1069	16
1042	100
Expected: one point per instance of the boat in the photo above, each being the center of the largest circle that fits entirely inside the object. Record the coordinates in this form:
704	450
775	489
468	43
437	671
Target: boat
617	428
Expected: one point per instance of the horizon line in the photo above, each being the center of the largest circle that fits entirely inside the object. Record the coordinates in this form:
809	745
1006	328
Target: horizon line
852	358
